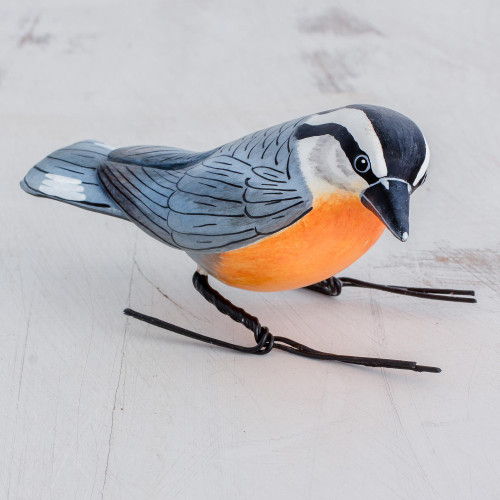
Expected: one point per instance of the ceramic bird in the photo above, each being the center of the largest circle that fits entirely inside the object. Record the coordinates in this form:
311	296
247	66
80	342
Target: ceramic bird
282	208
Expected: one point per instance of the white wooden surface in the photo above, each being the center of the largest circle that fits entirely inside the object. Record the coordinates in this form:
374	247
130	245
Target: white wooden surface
93	405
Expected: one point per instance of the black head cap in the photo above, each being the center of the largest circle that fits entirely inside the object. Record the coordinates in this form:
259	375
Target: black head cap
402	142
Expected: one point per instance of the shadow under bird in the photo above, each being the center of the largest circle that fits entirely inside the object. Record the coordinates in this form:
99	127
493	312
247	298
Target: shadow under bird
283	208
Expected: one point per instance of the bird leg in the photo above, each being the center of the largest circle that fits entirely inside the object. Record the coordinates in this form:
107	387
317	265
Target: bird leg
333	287
265	341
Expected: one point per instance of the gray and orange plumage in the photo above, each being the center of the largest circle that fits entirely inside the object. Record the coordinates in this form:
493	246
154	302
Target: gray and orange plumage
281	208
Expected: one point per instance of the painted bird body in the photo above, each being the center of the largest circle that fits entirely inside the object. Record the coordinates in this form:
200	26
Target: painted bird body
281	208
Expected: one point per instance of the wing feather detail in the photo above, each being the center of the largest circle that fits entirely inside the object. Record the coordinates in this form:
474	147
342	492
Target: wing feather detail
235	196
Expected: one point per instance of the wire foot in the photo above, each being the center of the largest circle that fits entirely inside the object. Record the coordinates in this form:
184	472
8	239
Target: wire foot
333	286
265	342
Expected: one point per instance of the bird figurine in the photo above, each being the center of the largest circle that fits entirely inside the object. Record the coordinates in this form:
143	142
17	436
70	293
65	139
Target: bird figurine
283	208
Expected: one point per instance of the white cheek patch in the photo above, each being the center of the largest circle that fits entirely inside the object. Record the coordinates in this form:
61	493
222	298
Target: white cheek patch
361	128
424	166
63	187
325	166
305	150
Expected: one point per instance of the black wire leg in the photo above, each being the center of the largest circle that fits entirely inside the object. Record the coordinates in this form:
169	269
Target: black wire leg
333	287
265	341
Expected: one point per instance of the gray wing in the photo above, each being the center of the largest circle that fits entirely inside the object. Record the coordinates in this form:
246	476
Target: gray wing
229	199
157	156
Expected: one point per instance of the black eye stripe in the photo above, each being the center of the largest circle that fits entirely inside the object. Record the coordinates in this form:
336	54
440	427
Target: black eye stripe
347	143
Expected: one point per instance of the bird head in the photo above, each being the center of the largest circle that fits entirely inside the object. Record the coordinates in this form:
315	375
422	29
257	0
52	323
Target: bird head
371	150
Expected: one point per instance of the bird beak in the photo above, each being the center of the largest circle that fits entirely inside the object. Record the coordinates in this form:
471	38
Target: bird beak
389	200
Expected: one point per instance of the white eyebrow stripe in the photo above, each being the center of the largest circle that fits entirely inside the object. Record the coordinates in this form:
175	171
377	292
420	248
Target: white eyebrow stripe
361	128
424	166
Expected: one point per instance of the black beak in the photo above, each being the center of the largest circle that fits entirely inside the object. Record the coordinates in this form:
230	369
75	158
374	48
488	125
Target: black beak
389	200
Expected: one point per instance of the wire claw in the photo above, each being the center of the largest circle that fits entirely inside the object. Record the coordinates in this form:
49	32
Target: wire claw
263	346
331	286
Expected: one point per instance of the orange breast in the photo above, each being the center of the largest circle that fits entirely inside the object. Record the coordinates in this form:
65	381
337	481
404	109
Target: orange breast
328	239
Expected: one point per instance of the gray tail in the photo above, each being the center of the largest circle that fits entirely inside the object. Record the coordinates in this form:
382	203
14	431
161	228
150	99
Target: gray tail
70	175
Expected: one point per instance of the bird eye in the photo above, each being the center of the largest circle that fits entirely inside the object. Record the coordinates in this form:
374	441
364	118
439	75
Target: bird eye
361	164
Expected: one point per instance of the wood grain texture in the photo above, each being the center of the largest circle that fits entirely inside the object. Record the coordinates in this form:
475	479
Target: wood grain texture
93	405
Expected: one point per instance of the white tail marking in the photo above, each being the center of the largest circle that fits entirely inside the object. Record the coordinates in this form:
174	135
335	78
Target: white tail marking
63	187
